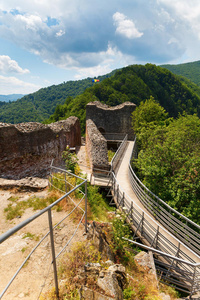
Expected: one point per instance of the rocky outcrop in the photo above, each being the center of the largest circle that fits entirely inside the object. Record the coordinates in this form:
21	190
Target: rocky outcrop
146	260
28	183
98	237
103	281
109	282
112	281
96	146
27	149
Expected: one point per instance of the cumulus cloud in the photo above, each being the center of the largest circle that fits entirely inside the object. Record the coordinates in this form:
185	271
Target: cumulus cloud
106	63
7	65
69	35
12	85
126	26
185	11
60	33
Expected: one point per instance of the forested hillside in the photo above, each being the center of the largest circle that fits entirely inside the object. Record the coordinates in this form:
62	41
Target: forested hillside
135	84
168	162
41	105
188	70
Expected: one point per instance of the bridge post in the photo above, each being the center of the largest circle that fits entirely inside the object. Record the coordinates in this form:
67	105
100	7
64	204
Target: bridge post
193	282
114	186
117	193
86	206
131	210
157	233
123	200
65	184
177	253
53	254
142	221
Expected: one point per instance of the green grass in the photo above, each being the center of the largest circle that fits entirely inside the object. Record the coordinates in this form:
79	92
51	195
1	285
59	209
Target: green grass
31	236
110	155
16	209
13	199
99	206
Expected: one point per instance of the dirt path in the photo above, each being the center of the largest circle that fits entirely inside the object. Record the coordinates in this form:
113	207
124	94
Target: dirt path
14	250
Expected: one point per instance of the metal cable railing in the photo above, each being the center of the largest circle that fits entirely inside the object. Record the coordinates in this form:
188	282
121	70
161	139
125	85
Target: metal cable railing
180	226
118	155
172	263
48	209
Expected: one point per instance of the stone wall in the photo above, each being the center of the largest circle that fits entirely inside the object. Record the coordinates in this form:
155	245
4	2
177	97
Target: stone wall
115	119
96	146
27	149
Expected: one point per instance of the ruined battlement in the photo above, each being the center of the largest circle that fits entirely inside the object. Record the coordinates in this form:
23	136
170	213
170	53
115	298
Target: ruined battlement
116	119
27	149
96	146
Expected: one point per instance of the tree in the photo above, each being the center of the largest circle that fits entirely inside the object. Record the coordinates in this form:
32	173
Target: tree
146	117
169	165
70	160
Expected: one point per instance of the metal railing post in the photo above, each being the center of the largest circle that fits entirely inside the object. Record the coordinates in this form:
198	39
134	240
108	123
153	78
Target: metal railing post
86	206
157	234
65	184
53	254
193	282
123	200
117	193
142	221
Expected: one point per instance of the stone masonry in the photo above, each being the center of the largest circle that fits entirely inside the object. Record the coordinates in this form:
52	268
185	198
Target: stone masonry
116	119
102	119
96	146
27	149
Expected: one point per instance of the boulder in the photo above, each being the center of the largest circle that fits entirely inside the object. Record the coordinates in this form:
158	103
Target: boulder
99	239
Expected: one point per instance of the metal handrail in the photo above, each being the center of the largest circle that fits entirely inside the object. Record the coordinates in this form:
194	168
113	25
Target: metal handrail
187	232
48	209
114	136
162	253
176	267
116	158
138	220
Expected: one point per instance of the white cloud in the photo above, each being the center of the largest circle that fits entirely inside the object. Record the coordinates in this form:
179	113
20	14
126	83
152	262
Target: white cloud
7	65
12	85
187	11
107	63
125	26
73	36
32	22
60	33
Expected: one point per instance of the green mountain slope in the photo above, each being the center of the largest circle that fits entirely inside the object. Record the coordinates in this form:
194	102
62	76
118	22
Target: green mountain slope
188	70
135	83
40	105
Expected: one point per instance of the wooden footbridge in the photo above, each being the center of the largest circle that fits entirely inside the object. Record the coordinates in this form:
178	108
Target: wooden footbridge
173	238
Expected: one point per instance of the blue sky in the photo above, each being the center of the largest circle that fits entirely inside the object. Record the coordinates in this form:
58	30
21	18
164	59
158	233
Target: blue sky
46	42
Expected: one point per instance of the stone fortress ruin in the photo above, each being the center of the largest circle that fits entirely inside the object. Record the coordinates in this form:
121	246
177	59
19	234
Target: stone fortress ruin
27	149
106	125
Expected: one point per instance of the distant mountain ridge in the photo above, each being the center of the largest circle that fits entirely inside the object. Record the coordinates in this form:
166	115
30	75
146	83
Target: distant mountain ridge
134	83
189	70
11	97
38	106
